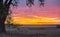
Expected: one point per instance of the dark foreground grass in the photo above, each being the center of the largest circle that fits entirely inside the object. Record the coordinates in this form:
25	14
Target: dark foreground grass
21	35
33	31
9	34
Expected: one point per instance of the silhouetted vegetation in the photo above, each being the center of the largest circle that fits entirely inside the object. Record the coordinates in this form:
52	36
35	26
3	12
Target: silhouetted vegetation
4	12
58	26
42	2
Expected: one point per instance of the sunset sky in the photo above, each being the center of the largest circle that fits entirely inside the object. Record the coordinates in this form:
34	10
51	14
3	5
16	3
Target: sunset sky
49	14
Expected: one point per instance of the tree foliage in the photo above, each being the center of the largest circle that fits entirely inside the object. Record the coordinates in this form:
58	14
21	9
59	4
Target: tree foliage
42	2
4	12
29	2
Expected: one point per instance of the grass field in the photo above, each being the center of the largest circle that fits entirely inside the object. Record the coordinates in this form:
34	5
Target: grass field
32	31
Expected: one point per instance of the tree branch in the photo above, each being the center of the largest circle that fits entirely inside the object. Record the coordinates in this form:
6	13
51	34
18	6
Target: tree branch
9	2
6	2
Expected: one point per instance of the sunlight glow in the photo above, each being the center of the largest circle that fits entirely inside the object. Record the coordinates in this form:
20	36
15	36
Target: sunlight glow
36	20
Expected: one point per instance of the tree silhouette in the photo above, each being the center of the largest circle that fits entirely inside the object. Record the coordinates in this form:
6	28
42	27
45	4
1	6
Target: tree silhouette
9	18
29	2
42	2
4	12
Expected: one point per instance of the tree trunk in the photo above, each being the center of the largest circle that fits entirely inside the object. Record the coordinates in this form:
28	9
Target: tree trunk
4	12
2	17
2	23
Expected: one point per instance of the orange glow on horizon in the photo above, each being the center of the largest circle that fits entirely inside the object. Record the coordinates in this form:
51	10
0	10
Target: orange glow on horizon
35	20
49	14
